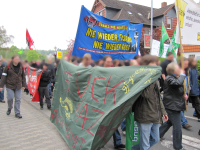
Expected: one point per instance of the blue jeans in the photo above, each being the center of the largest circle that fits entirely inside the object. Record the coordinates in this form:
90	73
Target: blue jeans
2	94
149	135
123	125
11	94
117	138
183	119
49	88
194	114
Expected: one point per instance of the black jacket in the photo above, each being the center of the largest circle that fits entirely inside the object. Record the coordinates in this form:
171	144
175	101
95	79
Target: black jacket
45	78
1	70
174	92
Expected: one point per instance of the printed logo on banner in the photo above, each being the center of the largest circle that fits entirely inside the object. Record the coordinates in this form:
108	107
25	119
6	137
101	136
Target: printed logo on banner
67	104
198	36
91	21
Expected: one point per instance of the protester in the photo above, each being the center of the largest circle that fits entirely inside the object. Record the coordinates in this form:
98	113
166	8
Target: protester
86	61
184	121
137	58
116	63
43	86
134	63
164	65
152	104
51	68
34	65
194	92
14	79
2	92
116	136
174	102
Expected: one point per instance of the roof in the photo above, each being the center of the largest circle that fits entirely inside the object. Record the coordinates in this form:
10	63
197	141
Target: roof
139	14
162	11
191	48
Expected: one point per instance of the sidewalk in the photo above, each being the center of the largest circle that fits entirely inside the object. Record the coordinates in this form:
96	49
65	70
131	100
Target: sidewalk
33	132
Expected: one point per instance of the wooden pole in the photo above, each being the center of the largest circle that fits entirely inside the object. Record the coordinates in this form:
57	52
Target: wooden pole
181	48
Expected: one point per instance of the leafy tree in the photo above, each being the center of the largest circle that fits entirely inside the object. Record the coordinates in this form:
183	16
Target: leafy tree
4	38
32	55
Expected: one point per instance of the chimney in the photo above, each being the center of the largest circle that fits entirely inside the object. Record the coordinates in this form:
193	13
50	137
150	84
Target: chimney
163	4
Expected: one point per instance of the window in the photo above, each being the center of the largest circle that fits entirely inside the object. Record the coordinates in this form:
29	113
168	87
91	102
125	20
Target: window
100	13
130	13
169	23
140	14
191	55
147	31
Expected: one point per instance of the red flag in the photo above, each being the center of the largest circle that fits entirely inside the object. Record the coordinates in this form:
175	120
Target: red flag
29	40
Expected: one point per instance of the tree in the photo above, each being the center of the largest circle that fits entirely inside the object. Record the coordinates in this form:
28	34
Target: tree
32	55
4	38
70	47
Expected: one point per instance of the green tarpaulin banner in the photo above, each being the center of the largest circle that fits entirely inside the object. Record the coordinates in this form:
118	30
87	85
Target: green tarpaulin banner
90	103
132	132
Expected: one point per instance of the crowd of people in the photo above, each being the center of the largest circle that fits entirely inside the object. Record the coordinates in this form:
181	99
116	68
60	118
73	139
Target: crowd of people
165	99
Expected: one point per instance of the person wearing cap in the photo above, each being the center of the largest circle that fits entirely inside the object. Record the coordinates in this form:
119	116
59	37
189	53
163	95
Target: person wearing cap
86	61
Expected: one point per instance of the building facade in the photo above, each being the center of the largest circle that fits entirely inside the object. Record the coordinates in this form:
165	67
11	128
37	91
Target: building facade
121	10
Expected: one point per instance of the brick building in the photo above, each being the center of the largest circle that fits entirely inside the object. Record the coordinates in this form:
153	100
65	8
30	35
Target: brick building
120	10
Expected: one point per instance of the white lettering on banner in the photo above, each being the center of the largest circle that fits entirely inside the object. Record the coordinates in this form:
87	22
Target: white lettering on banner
33	78
135	138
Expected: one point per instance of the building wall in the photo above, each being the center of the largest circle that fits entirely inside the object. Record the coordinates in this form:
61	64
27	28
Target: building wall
171	14
158	21
196	54
98	7
110	12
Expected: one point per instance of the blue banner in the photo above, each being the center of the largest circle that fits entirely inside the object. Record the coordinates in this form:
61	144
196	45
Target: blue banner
100	36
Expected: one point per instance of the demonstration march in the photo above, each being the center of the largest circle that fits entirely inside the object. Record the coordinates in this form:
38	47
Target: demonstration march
129	80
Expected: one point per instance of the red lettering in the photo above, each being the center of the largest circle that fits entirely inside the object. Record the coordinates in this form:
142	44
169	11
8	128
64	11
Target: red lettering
88	130
57	120
77	109
82	142
75	139
111	90
68	133
83	117
68	80
86	86
62	122
54	114
93	87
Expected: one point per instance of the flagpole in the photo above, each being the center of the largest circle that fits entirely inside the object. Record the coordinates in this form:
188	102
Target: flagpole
181	49
151	40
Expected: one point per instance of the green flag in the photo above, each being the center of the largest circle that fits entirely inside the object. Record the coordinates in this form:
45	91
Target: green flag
20	52
163	38
132	132
172	48
89	104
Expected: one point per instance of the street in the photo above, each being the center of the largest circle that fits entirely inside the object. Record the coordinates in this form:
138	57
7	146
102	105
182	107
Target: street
35	131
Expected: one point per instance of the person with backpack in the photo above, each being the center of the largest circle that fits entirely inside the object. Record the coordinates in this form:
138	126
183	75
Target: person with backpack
14	79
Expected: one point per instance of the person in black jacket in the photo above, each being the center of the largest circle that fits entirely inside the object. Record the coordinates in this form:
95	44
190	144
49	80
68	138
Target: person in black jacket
2	92
43	87
174	102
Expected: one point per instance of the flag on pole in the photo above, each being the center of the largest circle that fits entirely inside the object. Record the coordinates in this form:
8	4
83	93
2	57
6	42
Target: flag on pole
29	40
173	46
20	52
163	38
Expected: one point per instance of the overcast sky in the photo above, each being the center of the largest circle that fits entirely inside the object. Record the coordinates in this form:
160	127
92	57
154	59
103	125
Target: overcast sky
50	22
